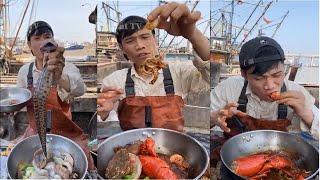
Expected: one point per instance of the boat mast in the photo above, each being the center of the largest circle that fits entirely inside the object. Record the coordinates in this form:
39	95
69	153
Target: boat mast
229	34
257	5
278	26
3	26
24	14
108	10
264	11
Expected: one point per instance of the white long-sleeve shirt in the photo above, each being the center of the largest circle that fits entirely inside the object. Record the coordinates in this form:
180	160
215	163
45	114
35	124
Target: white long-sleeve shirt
229	91
187	76
70	72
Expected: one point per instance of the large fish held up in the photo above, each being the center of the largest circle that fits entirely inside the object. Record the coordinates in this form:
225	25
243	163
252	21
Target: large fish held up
40	96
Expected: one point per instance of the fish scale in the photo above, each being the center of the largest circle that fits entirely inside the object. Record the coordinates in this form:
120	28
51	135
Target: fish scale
39	100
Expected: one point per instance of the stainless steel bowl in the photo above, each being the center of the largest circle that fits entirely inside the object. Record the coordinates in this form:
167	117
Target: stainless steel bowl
22	95
264	140
23	152
167	142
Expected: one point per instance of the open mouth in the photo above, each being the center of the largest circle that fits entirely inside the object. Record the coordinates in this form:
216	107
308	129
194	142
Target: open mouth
143	55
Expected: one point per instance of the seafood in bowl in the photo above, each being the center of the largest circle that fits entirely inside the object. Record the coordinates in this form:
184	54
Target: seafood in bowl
140	160
56	166
178	154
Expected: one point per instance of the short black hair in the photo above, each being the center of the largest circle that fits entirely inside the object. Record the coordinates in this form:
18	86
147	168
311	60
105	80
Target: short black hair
130	25
38	28
262	53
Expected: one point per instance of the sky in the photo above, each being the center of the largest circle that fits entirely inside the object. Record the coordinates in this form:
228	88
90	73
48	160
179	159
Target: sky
68	18
299	32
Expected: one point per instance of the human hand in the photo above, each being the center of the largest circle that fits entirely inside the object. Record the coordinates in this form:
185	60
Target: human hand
182	21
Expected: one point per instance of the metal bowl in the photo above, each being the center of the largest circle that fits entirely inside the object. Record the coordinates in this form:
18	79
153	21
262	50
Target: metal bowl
23	152
264	140
167	142
21	95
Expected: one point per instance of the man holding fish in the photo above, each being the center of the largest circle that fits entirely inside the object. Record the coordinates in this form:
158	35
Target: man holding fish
67	83
151	93
263	93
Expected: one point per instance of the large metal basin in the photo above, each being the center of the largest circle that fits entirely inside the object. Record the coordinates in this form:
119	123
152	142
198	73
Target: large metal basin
10	94
23	152
167	142
264	140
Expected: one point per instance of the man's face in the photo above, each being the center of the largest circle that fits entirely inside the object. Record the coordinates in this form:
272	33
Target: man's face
265	84
140	46
36	41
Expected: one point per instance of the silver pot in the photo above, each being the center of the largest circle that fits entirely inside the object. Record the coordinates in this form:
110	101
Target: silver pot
167	142
264	140
22	95
23	152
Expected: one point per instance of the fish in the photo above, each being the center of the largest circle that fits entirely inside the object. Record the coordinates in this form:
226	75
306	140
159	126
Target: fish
41	94
39	100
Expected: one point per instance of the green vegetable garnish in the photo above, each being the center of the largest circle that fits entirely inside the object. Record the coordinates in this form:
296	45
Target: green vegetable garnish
130	176
28	172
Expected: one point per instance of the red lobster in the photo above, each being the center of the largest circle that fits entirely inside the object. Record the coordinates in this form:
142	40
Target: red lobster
257	166
153	166
157	168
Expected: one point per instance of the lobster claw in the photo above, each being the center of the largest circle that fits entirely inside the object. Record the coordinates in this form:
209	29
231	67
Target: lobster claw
148	148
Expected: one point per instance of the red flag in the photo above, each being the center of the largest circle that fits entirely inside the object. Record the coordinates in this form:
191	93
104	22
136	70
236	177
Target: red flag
266	20
245	34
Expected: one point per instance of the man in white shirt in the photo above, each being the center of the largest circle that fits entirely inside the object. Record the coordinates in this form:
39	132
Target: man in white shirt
68	84
263	72
129	92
